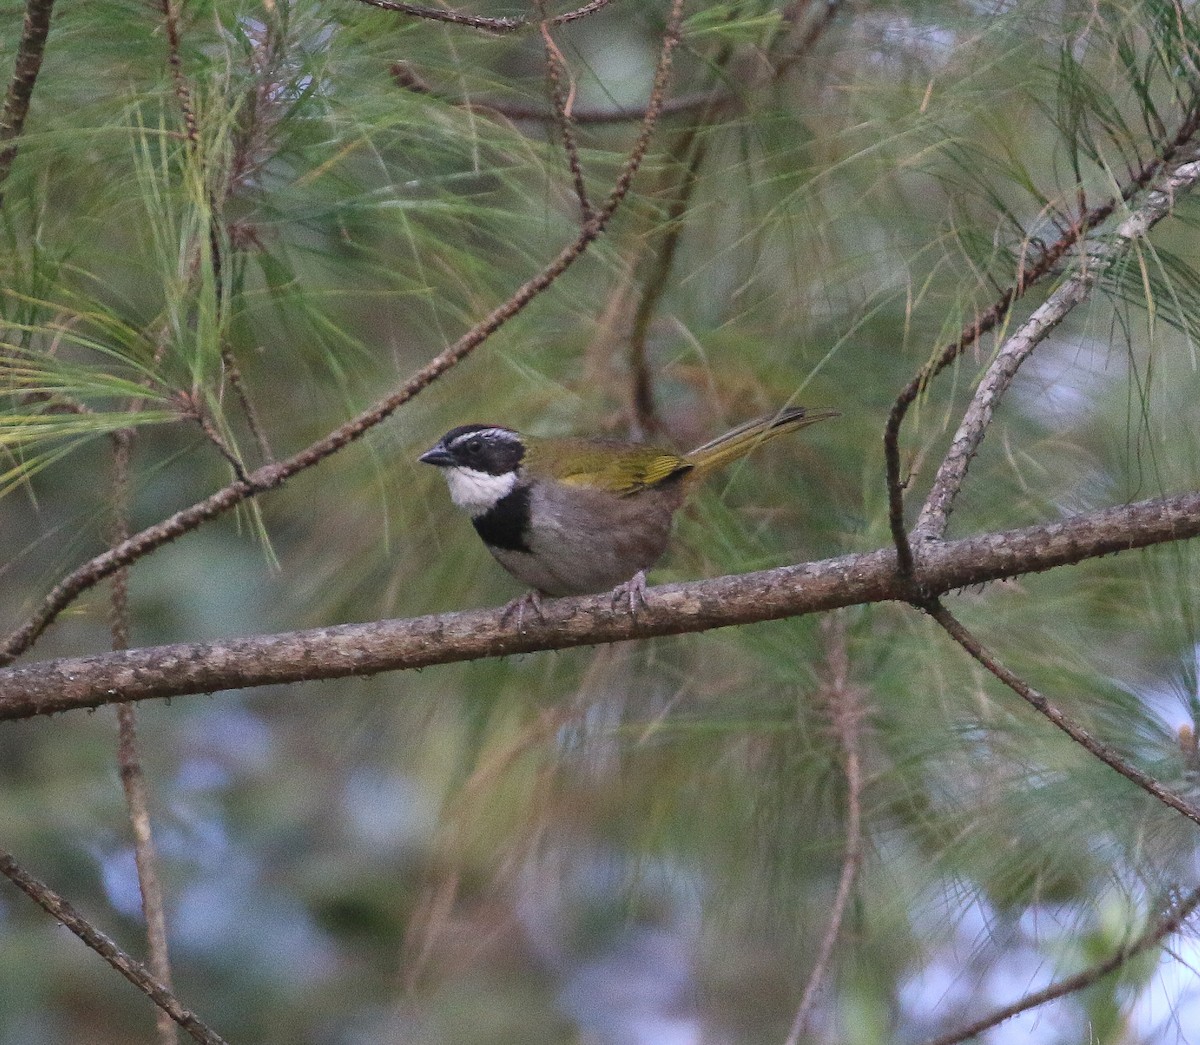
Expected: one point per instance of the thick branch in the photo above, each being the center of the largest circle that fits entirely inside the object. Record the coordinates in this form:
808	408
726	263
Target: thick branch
272	475
365	649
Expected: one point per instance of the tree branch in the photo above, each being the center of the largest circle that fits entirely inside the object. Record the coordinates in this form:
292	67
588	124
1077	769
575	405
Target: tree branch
846	713
1042	706
992	317
564	102
364	649
133	779
28	64
1169	923
275	474
488	25
133	970
1175	182
406	78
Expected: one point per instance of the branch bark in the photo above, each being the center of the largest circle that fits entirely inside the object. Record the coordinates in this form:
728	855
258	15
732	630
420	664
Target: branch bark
1177	155
846	714
790	591
133	779
133	970
1169	923
1176	182
498	25
25	73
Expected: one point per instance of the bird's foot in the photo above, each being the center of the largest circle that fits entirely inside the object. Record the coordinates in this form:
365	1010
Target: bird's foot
532	599
633	590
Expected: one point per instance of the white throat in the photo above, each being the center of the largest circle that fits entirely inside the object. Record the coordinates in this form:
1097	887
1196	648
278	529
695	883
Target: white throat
475	491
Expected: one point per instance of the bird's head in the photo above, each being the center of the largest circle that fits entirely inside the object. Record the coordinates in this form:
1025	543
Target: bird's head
481	464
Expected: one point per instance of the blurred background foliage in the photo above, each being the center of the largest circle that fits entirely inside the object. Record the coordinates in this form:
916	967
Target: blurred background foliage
637	844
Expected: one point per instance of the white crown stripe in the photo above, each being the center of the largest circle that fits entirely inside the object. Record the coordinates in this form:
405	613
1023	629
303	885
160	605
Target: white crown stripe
502	435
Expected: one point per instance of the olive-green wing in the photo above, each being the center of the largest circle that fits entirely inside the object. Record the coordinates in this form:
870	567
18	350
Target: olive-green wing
602	464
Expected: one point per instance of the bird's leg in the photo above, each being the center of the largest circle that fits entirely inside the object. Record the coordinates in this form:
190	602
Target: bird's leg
532	599
634	590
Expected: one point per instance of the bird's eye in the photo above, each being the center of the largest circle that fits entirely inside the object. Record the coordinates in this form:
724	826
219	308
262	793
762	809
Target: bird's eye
474	446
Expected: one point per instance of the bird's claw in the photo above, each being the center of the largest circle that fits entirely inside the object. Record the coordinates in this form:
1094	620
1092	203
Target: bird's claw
634	590
532	599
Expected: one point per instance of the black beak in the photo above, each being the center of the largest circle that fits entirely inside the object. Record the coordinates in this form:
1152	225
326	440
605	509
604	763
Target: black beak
438	456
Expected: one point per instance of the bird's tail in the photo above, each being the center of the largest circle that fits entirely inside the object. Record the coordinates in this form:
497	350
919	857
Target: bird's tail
740	441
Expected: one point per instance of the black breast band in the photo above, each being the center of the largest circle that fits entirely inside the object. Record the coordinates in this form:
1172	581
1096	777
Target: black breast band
506	523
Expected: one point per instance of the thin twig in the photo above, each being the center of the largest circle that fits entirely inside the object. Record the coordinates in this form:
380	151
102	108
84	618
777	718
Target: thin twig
516	111
129	967
685	103
842	698
1042	706
675	609
191	406
816	29
1154	934
30	49
183	91
692	148
253	423
489	25
581	12
187	109
133	780
1031	273
272	475
556	69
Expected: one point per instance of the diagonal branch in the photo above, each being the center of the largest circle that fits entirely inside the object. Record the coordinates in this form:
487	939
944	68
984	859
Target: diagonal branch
1175	182
28	64
1169	923
275	474
993	316
1042	706
790	591
133	970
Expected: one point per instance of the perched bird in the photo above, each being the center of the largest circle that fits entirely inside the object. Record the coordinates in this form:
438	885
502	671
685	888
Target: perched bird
572	516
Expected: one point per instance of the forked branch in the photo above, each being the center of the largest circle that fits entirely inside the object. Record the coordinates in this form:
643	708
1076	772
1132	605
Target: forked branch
1175	182
1167	175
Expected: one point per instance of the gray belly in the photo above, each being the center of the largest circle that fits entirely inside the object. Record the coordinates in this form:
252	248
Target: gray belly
583	541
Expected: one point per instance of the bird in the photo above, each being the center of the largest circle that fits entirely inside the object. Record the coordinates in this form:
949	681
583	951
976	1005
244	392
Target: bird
574	516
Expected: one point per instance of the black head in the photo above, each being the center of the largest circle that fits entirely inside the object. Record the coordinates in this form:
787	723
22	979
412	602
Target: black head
490	449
